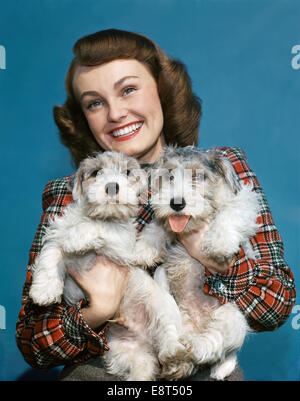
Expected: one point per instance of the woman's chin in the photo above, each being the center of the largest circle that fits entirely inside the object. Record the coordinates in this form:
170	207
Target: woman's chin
132	147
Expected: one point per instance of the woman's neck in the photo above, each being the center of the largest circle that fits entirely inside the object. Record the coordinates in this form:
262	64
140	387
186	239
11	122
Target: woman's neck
152	154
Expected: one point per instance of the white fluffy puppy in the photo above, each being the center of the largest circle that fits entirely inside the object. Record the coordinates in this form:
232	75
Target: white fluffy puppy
102	220
195	189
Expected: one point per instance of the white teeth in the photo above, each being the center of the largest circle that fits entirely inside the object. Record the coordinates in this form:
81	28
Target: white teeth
127	130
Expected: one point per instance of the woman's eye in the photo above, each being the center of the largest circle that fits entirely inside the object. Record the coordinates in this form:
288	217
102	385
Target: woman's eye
92	105
128	90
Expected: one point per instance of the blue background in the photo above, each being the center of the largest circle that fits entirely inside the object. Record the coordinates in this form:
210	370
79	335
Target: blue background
238	54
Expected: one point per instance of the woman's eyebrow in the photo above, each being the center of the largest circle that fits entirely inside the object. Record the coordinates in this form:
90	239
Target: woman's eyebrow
116	85
88	93
120	81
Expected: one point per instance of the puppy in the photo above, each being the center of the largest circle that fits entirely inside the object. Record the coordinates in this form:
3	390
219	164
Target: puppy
194	190
102	220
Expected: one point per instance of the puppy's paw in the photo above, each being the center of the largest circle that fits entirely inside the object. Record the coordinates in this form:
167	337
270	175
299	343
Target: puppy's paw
220	252
198	349
171	350
223	369
48	294
175	361
149	260
177	369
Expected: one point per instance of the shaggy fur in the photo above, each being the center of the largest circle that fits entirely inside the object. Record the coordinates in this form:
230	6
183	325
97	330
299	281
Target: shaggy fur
101	220
194	189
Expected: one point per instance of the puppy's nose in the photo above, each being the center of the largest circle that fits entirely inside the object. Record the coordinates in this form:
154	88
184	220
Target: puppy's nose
177	204
112	188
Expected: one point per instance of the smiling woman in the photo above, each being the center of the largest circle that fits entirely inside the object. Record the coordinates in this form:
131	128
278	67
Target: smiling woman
119	82
125	113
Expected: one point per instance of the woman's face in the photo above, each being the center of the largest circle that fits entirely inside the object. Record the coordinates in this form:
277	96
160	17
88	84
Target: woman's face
122	107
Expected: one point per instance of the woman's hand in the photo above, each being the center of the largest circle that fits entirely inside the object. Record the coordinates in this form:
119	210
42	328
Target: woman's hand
104	286
193	244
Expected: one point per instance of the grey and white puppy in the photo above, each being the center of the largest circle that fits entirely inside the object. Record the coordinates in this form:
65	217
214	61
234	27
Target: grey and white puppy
102	220
194	190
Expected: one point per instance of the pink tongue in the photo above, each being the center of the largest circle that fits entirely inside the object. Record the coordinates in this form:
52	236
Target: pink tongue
178	222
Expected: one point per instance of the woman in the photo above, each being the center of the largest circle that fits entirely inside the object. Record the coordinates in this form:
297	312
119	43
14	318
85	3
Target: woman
125	94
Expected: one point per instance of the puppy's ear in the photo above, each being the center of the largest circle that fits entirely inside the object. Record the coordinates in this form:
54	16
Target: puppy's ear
77	182
70	184
224	168
165	154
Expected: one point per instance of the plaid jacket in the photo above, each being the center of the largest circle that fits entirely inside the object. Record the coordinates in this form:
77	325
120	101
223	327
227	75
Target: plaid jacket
263	289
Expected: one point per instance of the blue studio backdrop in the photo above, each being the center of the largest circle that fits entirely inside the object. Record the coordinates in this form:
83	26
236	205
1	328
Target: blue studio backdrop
243	58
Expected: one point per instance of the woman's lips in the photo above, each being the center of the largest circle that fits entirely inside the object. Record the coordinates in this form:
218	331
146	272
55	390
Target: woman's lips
125	137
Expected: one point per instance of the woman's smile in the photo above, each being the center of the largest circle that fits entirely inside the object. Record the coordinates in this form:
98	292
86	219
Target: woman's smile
127	131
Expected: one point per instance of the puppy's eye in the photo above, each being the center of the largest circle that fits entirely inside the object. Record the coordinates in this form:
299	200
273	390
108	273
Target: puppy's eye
94	173
127	172
171	176
198	175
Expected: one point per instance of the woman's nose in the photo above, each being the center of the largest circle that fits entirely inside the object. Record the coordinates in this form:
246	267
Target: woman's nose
116	112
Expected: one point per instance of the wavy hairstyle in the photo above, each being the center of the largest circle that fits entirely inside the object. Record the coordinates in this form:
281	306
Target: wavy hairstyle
181	108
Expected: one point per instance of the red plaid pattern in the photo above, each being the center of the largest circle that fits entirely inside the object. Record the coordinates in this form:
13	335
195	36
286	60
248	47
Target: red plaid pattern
263	288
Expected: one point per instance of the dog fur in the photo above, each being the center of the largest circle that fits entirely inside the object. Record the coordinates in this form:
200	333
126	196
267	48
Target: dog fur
102	220
194	189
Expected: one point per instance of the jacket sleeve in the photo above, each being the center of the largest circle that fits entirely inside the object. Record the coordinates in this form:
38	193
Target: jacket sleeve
263	288
54	335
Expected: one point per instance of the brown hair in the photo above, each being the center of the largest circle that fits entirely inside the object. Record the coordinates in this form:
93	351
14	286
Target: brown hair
181	108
